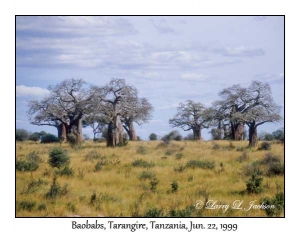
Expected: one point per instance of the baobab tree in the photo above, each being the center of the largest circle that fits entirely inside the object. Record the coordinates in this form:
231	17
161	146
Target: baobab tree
259	108
191	116
64	108
231	103
116	99
139	112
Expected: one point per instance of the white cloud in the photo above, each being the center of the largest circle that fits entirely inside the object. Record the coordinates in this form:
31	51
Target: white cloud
31	91
240	51
272	78
193	77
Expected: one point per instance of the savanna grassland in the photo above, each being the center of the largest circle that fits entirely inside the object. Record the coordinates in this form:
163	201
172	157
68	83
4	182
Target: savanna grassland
149	179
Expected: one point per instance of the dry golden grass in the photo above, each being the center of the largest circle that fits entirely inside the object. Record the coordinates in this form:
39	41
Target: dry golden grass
120	192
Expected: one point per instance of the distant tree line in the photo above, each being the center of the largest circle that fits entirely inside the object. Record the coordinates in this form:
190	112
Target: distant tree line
109	109
237	107
112	109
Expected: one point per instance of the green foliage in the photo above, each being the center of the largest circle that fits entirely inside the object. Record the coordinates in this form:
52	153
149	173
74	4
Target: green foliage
216	146
56	190
153	183
179	156
34	137
254	184
31	163
49	138
200	164
153	213
98	166
21	135
92	155
243	157
174	186
277	202
26	205
152	137
34	185
141	150
173	135
182	213
179	168
42	207
144	175
142	163
273	163
253	168
65	171
58	157
265	146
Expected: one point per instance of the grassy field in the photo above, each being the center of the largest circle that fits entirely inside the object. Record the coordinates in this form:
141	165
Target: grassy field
145	179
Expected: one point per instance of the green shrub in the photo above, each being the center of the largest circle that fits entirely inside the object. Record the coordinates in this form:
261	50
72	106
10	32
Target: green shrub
49	138
92	155
243	157
179	156
181	213
153	213
153	183
58	157
141	150
216	146
56	190
31	163
26	166
254	184
174	186
200	164
42	207
65	171
34	137
21	135
26	205
265	146
98	166
253	168
277	201
273	163
179	168
142	163
144	175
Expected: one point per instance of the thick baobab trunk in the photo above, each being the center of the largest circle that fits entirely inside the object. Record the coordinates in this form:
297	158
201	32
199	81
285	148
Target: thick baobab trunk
253	138
115	133
62	132
237	130
197	133
75	129
132	134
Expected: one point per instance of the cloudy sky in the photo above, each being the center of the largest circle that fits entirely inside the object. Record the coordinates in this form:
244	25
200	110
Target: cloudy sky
168	59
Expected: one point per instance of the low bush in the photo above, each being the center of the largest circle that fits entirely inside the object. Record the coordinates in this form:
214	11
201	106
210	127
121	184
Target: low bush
243	157
58	157
49	138
26	205
200	164
254	184
277	201
92	155
265	146
174	186
144	175
65	171
142	163
141	150
179	168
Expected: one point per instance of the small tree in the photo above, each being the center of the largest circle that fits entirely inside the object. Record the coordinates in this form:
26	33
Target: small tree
49	138
191	116
58	157
21	135
153	137
34	137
